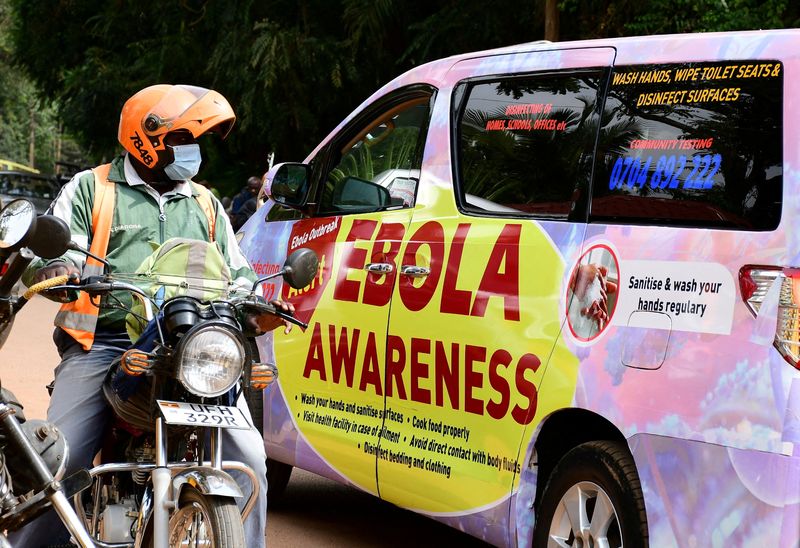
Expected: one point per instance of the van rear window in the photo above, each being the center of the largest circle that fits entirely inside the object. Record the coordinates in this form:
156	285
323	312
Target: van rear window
694	144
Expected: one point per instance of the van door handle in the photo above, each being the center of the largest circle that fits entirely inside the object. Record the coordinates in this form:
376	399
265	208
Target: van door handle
414	271
379	268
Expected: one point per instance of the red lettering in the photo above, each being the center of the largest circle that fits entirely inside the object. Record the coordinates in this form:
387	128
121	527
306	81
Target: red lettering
455	301
315	360
268	291
447	371
526	388
395	366
495	125
501	277
446	374
472	378
378	288
343	355
419	370
353	257
432	235
371	374
500	384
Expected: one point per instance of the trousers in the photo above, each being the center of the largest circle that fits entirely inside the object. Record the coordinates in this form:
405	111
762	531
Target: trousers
79	410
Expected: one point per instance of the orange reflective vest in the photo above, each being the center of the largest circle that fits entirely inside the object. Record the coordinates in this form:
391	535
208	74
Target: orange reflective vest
79	317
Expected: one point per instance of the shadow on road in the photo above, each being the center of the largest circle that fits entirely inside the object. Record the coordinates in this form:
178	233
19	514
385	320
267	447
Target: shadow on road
319	512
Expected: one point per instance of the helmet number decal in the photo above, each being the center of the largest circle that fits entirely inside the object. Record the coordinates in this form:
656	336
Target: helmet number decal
138	144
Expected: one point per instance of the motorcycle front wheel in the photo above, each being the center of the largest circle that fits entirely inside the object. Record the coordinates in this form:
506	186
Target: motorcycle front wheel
206	520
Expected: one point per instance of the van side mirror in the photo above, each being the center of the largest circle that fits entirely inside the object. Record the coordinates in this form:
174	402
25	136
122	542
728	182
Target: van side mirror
353	195
288	184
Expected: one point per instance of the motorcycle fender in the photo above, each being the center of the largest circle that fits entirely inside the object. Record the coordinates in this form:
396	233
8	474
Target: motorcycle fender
207	480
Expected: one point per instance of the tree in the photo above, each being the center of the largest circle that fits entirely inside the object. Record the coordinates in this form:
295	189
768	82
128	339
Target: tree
551	20
28	122
293	69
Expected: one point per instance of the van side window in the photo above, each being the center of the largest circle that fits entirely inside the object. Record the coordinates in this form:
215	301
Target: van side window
694	144
525	144
379	166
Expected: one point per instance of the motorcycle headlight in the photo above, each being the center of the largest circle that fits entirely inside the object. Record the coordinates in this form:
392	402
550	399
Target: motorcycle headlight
210	360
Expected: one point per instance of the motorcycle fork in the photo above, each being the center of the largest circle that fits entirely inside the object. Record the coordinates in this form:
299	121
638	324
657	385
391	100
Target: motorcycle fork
162	480
162	488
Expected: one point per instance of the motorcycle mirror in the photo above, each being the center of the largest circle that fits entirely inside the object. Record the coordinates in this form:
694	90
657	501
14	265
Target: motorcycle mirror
299	269
17	224
52	237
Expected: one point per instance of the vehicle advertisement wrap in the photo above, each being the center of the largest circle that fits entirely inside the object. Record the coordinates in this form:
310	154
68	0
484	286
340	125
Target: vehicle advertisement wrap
455	407
727	424
428	386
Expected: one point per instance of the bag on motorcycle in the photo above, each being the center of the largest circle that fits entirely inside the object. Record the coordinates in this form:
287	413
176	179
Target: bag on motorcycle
180	266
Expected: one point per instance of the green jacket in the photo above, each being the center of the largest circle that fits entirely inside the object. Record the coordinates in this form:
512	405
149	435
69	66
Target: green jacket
141	218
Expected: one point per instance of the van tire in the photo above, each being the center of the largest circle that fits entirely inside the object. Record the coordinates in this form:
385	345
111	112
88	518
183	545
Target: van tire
278	473
605	471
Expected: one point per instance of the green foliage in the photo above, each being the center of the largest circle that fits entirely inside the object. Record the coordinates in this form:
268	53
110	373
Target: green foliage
601	18
292	69
710	15
23	111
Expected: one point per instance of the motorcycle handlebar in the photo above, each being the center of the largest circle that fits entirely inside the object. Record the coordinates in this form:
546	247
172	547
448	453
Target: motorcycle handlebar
44	286
97	285
269	308
289	318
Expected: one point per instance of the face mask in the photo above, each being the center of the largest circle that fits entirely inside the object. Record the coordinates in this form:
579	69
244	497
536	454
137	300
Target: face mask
186	164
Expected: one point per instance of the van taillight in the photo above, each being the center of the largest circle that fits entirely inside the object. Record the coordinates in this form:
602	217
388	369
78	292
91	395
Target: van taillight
754	282
787	332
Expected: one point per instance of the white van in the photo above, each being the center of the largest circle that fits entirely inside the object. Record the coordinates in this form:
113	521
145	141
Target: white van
559	296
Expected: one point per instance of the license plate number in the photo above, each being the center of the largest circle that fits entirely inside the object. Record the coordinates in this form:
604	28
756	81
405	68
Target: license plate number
201	414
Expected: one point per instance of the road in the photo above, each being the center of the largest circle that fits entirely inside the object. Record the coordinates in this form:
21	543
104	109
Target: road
316	511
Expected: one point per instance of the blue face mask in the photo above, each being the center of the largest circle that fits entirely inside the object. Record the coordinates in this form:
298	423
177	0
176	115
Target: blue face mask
186	164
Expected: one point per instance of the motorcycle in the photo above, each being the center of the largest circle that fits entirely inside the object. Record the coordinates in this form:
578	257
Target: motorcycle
157	484
180	380
33	453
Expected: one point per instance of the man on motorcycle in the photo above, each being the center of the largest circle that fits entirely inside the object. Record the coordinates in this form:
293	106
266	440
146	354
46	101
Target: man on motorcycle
153	199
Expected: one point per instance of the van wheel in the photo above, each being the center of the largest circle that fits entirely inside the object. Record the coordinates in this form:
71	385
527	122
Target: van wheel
593	498
278	473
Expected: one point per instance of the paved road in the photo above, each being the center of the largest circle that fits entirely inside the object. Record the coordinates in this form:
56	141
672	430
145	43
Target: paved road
316	512
321	513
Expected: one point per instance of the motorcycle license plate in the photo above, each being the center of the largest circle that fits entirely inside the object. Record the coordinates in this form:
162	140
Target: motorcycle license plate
202	414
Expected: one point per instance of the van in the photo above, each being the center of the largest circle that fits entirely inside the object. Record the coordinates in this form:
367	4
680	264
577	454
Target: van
40	189
559	294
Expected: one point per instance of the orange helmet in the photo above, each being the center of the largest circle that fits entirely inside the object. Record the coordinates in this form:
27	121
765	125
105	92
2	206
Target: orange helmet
157	110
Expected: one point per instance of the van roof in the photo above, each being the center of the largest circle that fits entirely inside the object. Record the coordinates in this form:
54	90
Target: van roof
709	46
781	44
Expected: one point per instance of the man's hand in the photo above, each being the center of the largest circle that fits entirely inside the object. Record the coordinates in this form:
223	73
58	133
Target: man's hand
52	271
268	322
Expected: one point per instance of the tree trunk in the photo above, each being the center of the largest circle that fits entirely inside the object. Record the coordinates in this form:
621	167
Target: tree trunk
32	143
551	20
58	145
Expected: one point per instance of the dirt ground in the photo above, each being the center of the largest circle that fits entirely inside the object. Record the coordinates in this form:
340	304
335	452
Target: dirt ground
29	356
